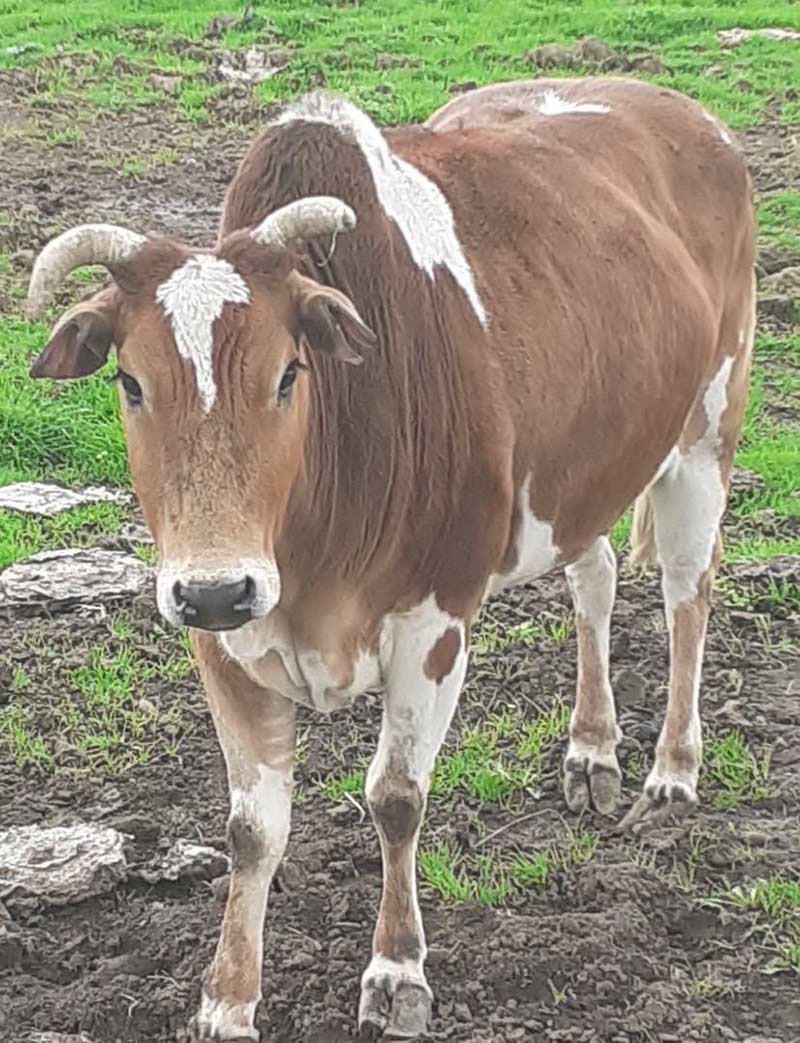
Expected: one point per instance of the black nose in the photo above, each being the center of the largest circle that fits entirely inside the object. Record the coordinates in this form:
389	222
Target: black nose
215	606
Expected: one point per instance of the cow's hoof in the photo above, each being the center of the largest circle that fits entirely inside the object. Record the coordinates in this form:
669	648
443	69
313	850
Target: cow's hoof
392	1009
663	803
592	782
201	1029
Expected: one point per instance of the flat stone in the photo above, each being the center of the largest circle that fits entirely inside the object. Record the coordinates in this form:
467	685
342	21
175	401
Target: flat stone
48	500
786	281
60	864
777	306
254	65
61	578
56	1037
187	861
734	37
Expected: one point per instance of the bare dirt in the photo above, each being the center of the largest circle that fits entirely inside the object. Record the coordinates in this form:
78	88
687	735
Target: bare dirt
622	948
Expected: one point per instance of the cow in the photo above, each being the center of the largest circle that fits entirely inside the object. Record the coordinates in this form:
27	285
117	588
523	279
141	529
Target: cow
416	368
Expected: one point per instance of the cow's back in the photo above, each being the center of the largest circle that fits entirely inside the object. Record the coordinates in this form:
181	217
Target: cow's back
611	229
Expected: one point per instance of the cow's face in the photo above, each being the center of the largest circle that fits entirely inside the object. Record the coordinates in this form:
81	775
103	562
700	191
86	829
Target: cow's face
213	351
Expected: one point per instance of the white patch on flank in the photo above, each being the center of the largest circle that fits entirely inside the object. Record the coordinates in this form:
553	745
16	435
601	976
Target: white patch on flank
413	201
552	104
536	552
193	298
692	500
723	133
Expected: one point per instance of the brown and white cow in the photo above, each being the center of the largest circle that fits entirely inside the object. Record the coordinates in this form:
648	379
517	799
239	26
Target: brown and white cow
550	286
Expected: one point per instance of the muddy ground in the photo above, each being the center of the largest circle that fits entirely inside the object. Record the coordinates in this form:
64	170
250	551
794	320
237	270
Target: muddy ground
619	946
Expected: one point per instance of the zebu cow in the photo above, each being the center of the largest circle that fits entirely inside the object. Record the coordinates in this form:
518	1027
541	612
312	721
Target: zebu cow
558	281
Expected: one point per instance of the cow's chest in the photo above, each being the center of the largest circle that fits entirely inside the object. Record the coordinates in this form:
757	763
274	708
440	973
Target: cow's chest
323	677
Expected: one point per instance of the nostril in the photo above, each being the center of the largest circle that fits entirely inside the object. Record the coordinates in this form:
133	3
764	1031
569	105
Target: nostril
248	595
181	596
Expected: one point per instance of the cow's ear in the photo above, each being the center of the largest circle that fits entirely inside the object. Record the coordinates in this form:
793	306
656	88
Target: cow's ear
81	340
329	321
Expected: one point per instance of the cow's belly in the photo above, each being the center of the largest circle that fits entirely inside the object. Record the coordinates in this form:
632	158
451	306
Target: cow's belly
266	652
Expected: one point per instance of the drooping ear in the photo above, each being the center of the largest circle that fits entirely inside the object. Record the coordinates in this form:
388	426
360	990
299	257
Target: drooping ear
329	321
81	340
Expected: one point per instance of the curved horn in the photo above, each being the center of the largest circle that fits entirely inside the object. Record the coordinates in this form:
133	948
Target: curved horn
86	244
305	219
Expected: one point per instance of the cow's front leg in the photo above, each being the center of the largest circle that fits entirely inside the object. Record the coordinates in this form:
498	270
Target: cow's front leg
256	729
423	681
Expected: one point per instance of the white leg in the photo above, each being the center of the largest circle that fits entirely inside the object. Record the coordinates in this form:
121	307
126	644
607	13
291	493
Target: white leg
688	502
256	729
591	771
424	678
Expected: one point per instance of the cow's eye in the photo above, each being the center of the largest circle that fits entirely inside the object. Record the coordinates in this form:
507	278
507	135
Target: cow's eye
288	379
132	388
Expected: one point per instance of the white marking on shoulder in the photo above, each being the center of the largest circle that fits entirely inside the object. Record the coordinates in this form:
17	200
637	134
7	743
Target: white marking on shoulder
415	203
193	298
536	551
552	104
723	133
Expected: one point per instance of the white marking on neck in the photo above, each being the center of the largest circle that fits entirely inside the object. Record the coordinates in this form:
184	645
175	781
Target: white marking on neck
193	298
412	200
552	104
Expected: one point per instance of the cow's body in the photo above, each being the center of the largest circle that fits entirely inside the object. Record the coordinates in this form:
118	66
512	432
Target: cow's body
560	278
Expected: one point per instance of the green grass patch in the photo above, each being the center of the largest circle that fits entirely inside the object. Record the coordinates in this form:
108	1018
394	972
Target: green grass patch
56	431
22	535
779	219
492	879
102	724
775	905
338	788
737	775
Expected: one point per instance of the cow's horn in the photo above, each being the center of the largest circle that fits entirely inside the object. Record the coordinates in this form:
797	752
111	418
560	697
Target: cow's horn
305	219
87	244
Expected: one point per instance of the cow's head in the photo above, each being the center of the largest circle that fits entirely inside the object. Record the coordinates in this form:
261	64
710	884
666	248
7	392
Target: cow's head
211	348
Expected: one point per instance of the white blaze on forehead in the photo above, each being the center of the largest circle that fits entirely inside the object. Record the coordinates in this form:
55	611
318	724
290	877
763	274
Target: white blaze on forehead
415	203
552	104
193	298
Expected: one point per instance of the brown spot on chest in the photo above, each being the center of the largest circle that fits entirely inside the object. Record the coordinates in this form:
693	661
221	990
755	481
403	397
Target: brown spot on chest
441	658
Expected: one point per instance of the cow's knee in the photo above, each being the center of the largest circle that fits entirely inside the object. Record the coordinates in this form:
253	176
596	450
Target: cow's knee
397	804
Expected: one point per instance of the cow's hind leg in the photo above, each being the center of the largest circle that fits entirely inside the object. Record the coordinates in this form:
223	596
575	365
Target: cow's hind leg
687	504
591	771
423	681
256	730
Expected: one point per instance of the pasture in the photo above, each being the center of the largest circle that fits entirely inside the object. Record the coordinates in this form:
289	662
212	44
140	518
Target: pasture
540	925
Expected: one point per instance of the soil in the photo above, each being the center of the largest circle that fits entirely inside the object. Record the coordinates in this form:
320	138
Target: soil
623	948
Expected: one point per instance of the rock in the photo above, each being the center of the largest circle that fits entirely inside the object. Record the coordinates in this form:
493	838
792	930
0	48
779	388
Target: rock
713	72
630	687
462	88
743	481
167	84
734	37
60	864
782	567
217	27
552	56
786	282
187	861
773	259
48	500
56	1037
254	65
594	51
778	307
60	579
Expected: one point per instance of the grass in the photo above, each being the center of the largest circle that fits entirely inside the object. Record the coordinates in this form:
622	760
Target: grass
100	53
738	776
491	762
774	903
101	723
492	879
779	219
